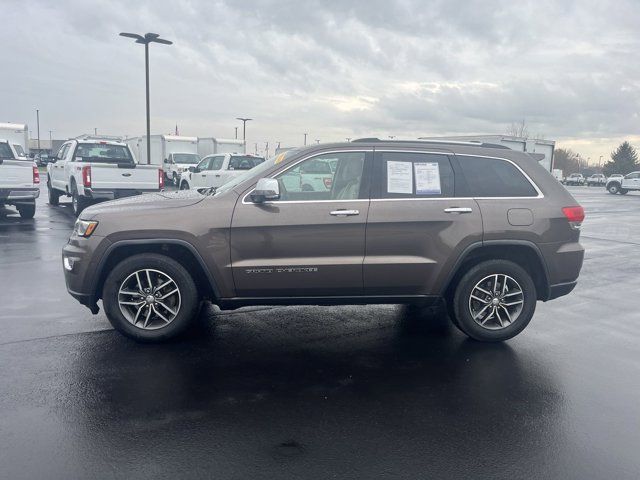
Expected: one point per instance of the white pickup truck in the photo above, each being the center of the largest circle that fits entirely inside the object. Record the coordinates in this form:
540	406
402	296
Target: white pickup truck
623	185
19	181
216	170
90	170
177	163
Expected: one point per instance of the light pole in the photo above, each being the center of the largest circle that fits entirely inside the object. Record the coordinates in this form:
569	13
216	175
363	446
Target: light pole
244	129
95	131
236	132
146	40
50	141
318	141
305	138
348	139
38	124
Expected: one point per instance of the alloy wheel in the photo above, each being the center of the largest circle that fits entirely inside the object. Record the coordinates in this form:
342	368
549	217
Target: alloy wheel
149	299
496	301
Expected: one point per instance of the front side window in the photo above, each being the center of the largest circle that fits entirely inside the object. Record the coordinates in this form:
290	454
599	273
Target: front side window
102	153
414	175
314	179
492	177
205	163
633	175
216	162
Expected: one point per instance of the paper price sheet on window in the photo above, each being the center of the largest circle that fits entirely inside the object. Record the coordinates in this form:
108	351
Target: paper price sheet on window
427	178
399	177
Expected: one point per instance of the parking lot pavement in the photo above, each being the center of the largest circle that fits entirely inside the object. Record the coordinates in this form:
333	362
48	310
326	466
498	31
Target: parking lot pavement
317	392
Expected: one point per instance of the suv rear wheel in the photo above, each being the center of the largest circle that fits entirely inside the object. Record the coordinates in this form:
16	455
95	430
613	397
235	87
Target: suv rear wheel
150	298
494	301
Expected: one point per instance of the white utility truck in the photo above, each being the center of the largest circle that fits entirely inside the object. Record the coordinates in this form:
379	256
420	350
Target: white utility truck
628	183
211	145
216	170
16	134
90	169
175	154
19	180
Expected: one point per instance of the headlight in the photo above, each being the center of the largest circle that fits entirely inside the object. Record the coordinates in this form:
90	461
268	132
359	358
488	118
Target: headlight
84	228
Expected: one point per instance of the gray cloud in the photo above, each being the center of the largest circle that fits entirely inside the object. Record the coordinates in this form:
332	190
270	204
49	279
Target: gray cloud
333	68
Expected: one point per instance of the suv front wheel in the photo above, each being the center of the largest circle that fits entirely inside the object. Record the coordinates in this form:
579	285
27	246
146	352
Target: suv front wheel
150	298
494	301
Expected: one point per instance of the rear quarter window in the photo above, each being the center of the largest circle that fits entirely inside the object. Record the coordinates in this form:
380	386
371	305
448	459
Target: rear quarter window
492	177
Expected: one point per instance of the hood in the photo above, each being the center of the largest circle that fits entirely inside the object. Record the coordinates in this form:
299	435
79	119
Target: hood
147	201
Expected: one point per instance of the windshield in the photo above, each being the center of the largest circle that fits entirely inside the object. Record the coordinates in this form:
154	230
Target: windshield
186	158
102	153
257	171
5	151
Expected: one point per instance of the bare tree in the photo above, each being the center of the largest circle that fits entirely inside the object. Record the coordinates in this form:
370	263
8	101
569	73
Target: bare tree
518	129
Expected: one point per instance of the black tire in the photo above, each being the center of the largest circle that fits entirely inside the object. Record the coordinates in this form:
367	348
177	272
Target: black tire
184	186
613	188
623	191
27	211
54	195
461	300
176	179
78	203
188	291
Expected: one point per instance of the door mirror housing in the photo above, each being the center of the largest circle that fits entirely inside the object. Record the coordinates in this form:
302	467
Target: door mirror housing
194	169
266	189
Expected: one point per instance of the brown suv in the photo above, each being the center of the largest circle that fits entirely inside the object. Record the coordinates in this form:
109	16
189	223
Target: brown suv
483	227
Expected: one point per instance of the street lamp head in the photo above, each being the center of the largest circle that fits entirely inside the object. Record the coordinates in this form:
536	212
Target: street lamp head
147	38
244	119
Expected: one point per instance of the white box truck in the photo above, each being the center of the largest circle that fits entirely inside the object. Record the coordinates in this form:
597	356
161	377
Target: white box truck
529	145
211	145
16	134
174	153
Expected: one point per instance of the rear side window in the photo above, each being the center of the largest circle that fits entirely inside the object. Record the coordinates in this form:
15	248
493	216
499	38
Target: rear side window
5	151
414	175
492	177
243	162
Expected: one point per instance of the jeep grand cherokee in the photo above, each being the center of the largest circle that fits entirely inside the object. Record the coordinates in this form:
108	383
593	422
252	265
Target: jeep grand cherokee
484	228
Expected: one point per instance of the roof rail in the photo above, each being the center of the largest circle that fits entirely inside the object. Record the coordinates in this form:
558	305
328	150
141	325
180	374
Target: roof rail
111	138
473	143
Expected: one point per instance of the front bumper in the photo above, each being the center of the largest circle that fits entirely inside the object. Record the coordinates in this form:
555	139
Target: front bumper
80	261
19	194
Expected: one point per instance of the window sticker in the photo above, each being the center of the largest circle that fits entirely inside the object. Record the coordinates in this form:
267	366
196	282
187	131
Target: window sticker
399	177
427	178
279	158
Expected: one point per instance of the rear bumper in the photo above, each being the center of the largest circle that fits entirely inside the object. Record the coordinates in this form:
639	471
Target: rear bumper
110	194
561	289
19	194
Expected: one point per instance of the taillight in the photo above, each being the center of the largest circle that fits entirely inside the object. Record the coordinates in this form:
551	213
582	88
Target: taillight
36	175
86	176
161	179
575	215
328	182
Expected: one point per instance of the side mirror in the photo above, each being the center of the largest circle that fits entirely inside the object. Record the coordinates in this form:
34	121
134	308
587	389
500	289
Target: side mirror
266	189
194	169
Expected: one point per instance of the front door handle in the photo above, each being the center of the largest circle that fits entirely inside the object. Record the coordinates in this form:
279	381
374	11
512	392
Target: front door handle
344	213
458	210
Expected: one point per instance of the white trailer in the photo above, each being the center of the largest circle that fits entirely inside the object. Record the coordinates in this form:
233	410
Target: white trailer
174	153
15	134
529	145
211	145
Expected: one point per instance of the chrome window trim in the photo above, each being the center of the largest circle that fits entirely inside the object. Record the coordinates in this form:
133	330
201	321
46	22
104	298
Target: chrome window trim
288	167
439	152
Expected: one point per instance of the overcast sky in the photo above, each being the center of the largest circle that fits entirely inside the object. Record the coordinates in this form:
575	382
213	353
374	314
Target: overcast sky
333	68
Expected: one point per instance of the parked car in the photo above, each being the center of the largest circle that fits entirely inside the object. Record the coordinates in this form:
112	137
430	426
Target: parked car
623	185
391	229
216	170
19	181
178	163
575	179
90	170
596	180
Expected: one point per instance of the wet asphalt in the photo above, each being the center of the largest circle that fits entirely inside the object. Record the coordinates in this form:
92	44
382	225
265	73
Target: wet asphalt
322	392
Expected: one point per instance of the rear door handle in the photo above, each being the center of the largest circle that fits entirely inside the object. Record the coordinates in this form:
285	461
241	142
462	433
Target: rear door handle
344	213
458	210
